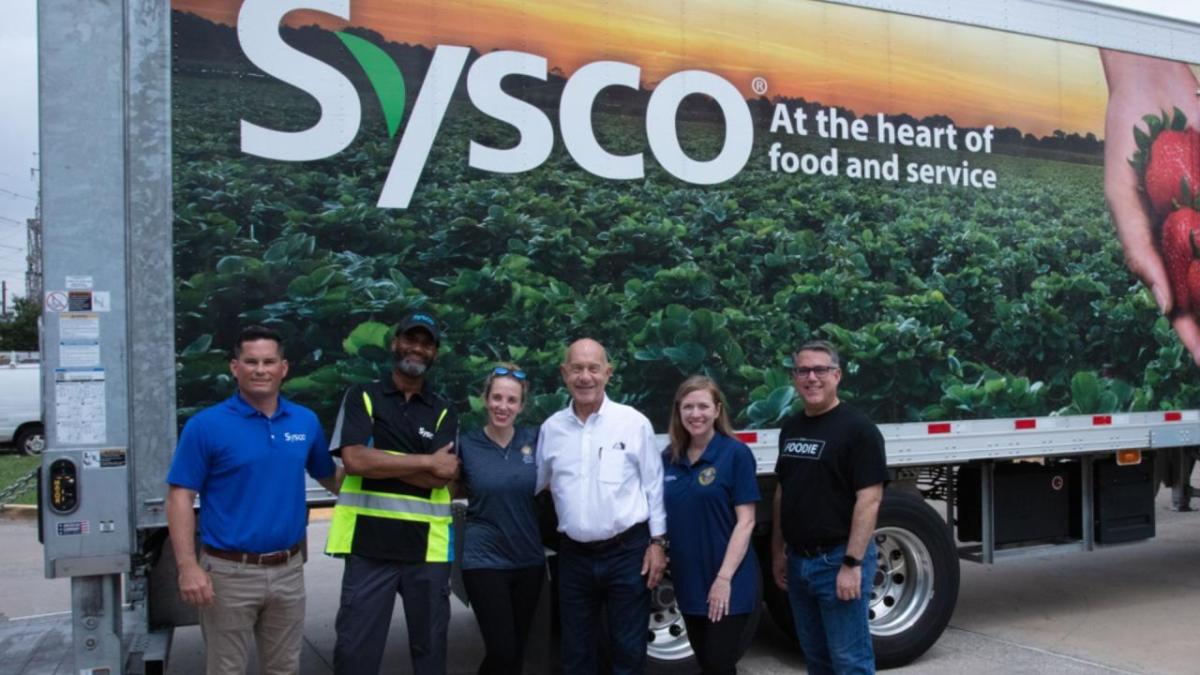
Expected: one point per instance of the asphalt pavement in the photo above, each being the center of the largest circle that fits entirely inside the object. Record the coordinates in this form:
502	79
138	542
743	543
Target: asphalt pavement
1121	609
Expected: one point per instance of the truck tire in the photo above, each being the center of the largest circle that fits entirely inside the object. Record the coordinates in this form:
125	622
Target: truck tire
31	440
916	583
667	647
775	597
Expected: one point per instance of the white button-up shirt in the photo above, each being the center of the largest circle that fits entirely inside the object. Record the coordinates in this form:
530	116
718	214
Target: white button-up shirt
605	474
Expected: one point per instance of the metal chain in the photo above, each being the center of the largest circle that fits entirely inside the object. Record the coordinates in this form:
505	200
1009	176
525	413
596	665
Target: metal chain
18	488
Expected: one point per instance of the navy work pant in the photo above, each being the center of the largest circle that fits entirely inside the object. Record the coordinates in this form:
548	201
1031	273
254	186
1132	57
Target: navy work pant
369	588
609	579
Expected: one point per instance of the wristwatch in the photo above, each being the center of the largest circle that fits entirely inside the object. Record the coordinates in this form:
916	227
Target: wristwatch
663	542
851	561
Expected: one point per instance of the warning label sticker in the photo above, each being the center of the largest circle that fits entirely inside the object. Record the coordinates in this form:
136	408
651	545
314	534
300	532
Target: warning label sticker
74	527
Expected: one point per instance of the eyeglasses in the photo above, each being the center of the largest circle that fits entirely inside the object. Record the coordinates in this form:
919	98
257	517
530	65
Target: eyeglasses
501	370
819	371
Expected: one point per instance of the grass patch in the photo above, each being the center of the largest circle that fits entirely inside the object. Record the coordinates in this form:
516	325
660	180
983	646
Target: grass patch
13	467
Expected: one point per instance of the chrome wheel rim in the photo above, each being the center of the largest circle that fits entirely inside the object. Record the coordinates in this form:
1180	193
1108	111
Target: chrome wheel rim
903	586
667	638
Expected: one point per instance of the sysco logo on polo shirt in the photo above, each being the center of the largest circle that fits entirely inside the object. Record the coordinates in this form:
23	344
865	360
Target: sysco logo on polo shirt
424	433
294	438
803	447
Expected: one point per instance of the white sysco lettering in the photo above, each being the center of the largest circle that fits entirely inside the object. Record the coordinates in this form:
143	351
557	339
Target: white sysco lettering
427	115
537	136
341	112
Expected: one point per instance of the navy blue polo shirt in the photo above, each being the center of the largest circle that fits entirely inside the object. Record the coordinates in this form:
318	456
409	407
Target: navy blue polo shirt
501	530
249	470
699	500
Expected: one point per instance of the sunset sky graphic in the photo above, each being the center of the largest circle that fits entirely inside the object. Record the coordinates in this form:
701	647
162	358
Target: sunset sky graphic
865	60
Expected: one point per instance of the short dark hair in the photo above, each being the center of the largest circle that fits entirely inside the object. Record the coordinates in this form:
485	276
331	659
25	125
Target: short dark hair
256	332
820	346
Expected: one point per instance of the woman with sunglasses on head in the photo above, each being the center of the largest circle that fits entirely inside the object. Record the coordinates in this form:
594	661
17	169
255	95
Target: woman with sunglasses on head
710	491
502	561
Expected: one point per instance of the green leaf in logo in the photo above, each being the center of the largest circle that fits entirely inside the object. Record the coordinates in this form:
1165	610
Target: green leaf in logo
384	75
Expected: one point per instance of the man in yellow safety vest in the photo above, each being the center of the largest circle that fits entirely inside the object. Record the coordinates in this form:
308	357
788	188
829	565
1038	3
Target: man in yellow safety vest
392	521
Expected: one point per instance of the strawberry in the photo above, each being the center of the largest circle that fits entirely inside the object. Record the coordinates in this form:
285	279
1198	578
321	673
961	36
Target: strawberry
1180	240
1168	159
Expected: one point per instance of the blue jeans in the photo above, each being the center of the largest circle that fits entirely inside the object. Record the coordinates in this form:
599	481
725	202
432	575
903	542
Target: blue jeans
612	579
834	634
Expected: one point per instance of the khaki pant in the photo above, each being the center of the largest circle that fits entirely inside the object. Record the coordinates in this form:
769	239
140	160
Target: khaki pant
266	602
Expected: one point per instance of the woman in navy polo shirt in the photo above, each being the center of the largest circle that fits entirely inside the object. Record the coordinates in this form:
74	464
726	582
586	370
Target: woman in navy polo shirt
710	491
502	561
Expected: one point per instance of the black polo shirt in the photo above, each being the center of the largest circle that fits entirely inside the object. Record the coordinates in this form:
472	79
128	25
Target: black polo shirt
410	426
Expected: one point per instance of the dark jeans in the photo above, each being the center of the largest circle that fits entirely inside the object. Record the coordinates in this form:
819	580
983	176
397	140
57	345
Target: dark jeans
504	602
610	579
369	588
717	645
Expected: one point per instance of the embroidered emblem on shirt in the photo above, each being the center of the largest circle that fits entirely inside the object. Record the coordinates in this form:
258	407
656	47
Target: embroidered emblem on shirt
294	438
707	476
423	433
526	455
803	448
668	479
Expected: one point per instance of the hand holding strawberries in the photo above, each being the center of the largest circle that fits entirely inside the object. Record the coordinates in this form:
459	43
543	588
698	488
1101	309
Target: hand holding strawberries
1141	88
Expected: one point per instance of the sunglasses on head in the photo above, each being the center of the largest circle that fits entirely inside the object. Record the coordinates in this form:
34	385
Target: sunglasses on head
501	370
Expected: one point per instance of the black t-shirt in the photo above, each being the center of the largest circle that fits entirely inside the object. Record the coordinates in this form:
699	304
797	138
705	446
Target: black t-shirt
418	425
823	461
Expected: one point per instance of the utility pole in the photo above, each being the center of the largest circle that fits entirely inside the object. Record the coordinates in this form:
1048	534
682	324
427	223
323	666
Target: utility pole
33	257
4	300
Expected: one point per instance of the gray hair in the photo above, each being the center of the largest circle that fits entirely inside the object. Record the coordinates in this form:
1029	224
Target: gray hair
820	346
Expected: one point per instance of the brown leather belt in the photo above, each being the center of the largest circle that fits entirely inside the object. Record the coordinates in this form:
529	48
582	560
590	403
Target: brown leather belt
267	559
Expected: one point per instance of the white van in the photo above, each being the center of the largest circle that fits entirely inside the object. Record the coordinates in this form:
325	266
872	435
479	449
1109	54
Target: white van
21	407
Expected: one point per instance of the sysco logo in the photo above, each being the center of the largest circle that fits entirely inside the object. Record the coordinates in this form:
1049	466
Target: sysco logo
341	110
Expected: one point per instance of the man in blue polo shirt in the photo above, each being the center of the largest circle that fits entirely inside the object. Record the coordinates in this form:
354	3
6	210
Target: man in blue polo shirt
246	458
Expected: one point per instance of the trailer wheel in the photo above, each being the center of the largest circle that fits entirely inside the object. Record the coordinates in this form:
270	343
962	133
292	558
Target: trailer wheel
916	583
915	587
667	642
31	440
778	605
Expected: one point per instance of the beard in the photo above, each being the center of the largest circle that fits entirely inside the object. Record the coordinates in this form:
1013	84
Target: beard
409	367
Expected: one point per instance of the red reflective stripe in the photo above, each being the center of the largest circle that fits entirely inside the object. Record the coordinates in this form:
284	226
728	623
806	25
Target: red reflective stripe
1101	419
746	437
1025	424
1172	416
939	428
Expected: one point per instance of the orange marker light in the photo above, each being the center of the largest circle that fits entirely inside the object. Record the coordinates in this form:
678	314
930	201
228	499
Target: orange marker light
1129	457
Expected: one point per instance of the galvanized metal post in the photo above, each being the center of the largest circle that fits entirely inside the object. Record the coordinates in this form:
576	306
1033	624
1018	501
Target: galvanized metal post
108	324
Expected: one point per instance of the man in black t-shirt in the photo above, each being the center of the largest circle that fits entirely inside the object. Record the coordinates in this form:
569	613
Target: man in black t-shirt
831	470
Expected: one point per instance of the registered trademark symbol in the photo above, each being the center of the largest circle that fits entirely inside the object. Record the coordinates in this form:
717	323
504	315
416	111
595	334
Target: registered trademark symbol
759	85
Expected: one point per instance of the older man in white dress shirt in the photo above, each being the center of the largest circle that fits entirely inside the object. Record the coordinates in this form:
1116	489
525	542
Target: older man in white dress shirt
604	470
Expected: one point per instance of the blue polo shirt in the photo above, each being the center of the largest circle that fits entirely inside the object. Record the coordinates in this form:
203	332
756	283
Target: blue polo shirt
249	471
501	531
699	500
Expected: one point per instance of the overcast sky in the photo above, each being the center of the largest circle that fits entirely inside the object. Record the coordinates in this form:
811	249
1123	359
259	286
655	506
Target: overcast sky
18	137
18	122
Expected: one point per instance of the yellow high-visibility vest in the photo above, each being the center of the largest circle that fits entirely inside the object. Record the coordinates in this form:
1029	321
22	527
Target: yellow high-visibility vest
354	501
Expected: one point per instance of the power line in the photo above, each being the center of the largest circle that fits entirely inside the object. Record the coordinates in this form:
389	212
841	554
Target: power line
12	248
18	194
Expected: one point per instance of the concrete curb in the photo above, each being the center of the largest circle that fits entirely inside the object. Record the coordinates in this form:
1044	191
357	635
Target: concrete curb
19	512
